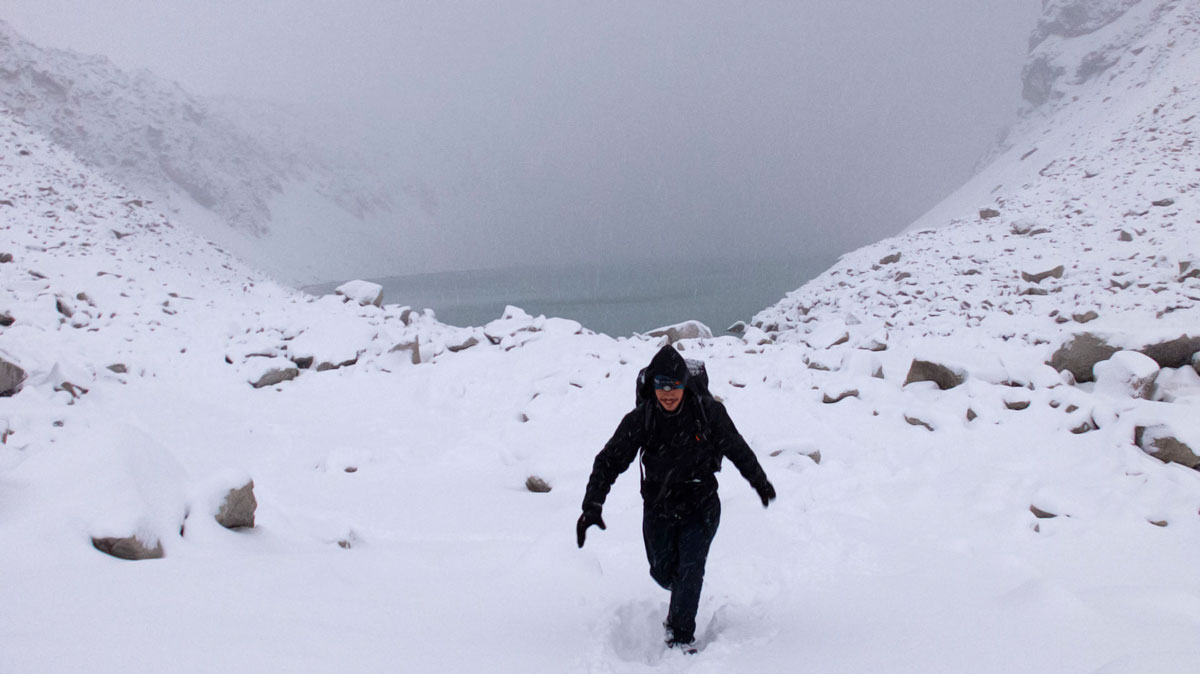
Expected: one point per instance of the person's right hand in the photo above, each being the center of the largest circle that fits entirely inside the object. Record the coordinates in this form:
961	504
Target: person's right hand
589	517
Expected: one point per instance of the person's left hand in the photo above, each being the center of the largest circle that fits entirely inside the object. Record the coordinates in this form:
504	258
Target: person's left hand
766	492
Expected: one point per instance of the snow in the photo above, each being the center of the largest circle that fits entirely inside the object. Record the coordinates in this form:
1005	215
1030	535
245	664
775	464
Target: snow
394	531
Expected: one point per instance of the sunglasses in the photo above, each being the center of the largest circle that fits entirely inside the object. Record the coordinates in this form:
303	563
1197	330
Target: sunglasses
665	383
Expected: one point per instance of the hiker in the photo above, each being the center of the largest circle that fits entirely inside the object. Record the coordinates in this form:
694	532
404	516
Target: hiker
683	433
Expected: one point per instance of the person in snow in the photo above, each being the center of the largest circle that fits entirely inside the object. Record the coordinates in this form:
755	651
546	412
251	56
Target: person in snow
682	433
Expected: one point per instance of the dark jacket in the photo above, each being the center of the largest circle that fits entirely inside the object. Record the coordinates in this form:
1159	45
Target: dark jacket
681	451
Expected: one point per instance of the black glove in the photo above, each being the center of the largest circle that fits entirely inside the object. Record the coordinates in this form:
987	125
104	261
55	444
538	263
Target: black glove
589	517
766	492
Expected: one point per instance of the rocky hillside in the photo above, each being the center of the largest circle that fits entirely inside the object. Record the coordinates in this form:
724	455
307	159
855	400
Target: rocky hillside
242	173
1088	218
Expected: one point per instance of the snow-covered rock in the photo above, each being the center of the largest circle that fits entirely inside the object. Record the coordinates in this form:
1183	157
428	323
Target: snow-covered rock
1126	374
363	292
681	331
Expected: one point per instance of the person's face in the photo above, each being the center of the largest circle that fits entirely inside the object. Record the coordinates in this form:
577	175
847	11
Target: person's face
669	397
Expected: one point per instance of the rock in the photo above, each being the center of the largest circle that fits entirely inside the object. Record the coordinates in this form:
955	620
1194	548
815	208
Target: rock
1023	227
6	319
913	421
11	378
829	400
363	292
1125	236
237	510
413	346
737	328
119	368
942	375
1162	443
1162	202
1085	427
129	547
1079	355
276	376
512	321
6	257
828	336
1057	272
463	345
1196	362
988	213
1038	78
64	308
1177	352
890	259
685	330
325	365
971	415
1086	317
1126	374
1035	291
303	362
537	485
1016	405
1041	514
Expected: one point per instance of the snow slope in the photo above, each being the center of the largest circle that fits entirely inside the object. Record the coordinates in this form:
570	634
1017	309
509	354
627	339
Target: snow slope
912	532
245	174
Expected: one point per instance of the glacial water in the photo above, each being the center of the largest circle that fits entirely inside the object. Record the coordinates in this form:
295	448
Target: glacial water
615	299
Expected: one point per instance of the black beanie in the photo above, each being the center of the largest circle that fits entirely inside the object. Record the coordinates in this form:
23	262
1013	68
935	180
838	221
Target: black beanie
667	362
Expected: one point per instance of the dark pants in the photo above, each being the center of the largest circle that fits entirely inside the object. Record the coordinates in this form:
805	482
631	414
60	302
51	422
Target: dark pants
677	548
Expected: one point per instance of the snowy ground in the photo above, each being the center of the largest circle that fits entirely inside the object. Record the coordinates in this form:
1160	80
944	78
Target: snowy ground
394	531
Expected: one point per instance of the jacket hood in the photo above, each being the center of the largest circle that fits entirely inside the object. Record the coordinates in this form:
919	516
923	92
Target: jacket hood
667	362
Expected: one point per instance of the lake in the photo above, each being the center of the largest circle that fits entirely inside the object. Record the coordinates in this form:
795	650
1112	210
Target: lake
615	299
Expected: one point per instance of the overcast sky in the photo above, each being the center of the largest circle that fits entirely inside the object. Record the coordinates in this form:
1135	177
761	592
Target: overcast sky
552	131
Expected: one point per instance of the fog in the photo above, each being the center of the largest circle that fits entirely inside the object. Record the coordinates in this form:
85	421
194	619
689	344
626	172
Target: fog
553	132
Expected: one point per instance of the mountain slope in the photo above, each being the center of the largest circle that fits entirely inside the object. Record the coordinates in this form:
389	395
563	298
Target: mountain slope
1101	177
262	189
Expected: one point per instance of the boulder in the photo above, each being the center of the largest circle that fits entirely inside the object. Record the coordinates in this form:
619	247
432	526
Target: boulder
537	485
988	213
685	330
1126	374
1041	514
11	378
737	328
829	335
413	346
276	376
1177	352
118	368
1080	354
237	510
363	292
890	259
1086	317
914	421
838	397
6	319
512	321
1196	362
1161	442
129	547
463	345
6	257
944	376
1038	277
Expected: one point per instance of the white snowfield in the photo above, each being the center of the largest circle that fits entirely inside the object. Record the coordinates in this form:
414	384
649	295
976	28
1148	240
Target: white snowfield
1006	522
